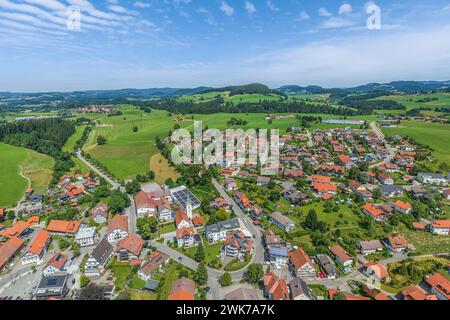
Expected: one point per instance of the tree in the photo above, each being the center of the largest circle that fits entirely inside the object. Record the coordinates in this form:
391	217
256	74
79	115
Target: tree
201	274
147	226
225	280
133	187
199	254
222	214
84	281
135	129
118	201
255	272
101	140
91	292
151	175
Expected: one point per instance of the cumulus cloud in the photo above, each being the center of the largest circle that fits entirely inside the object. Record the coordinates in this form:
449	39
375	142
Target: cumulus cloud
227	9
272	6
345	8
250	7
142	5
323	12
303	16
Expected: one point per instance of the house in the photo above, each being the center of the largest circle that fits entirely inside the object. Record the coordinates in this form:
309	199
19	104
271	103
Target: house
100	213
262	181
370	246
219	203
272	240
182	289
445	195
230	185
95	264
384	178
278	256
282	222
117	228
130	247
396	244
52	287
375	212
198	221
325	188
187	237
402	207
56	264
9	249
419	226
237	245
164	211
155	263
2	214
37	249
432	178
300	264
33	221
219	231
341	256
275	288
256	211
376	270
327	266
440	286
243	294
63	227
242	200
391	190
294	196
299	290
182	220
293	173
18	229
145	205
86	236
414	292
441	227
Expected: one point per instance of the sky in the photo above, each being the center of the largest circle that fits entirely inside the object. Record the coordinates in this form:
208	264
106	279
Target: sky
188	43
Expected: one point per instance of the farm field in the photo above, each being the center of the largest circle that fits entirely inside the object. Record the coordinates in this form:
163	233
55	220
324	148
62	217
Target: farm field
162	169
437	136
425	242
70	144
410	101
36	166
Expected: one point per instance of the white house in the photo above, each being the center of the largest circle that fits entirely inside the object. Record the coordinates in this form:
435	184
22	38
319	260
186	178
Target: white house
219	231
36	251
117	228
432	178
164	213
100	213
441	227
301	265
86	236
95	264
278	256
182	220
56	264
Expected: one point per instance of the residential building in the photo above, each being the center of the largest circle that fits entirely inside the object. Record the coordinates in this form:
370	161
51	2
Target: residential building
182	220
54	286
100	213
237	245
375	212
384	178
262	181
63	227
219	231
243	294
56	264
130	247
370	246
182	289
300	264
272	240
391	190
414	292
230	185
187	237
86	236
432	178
396	244
327	266
36	251
299	290
95	264
440	286
341	256
441	227
275	288
18	229
155	263
402	207
117	228
278	256
9	249
165	213
145	205
376	270
282	222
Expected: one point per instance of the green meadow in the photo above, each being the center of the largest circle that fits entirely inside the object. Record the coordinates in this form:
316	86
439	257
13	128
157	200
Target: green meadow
37	167
411	101
70	143
437	136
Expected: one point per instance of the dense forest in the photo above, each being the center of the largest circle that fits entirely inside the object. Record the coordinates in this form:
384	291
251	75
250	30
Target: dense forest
45	136
365	104
218	105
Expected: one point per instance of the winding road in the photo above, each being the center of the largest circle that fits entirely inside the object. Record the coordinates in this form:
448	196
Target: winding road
391	151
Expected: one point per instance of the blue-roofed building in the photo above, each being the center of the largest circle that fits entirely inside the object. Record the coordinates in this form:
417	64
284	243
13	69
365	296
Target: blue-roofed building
278	256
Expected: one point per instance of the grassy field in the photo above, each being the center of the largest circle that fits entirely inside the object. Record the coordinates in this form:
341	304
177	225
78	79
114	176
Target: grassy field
411	101
244	98
425	242
36	166
162	169
437	136
70	144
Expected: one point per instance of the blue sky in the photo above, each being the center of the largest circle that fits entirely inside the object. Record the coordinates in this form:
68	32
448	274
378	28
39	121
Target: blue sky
187	43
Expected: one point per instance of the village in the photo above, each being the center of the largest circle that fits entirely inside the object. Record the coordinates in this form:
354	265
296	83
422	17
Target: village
328	225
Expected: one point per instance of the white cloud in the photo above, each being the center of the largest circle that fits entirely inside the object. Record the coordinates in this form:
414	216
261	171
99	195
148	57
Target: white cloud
227	9
323	12
209	18
119	9
250	7
303	16
272	6
345	8
142	5
336	23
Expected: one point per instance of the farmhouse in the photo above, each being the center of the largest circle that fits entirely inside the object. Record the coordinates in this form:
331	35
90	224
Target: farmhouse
117	228
441	227
95	264
301	265
36	251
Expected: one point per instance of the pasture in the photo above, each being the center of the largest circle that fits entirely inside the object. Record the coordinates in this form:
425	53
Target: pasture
70	143
412	101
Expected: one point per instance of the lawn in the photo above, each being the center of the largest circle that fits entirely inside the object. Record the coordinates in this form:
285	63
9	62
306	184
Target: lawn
235	265
70	143
38	167
211	250
437	136
172	274
425	242
121	271
411	101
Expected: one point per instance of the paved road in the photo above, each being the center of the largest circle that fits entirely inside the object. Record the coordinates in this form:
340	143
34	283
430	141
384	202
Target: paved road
391	150
130	211
258	254
310	142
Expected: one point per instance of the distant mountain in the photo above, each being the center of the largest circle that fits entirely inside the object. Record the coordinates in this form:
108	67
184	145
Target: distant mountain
395	86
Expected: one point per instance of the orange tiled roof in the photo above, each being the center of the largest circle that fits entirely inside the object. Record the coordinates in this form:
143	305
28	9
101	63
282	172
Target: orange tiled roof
403	205
57	261
133	243
372	210
320	178
9	249
63	226
15	230
118	222
339	252
181	216
440	284
441	224
325	187
40	242
299	258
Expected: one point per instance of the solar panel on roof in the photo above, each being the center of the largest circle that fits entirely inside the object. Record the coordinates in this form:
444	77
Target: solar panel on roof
52	282
183	195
